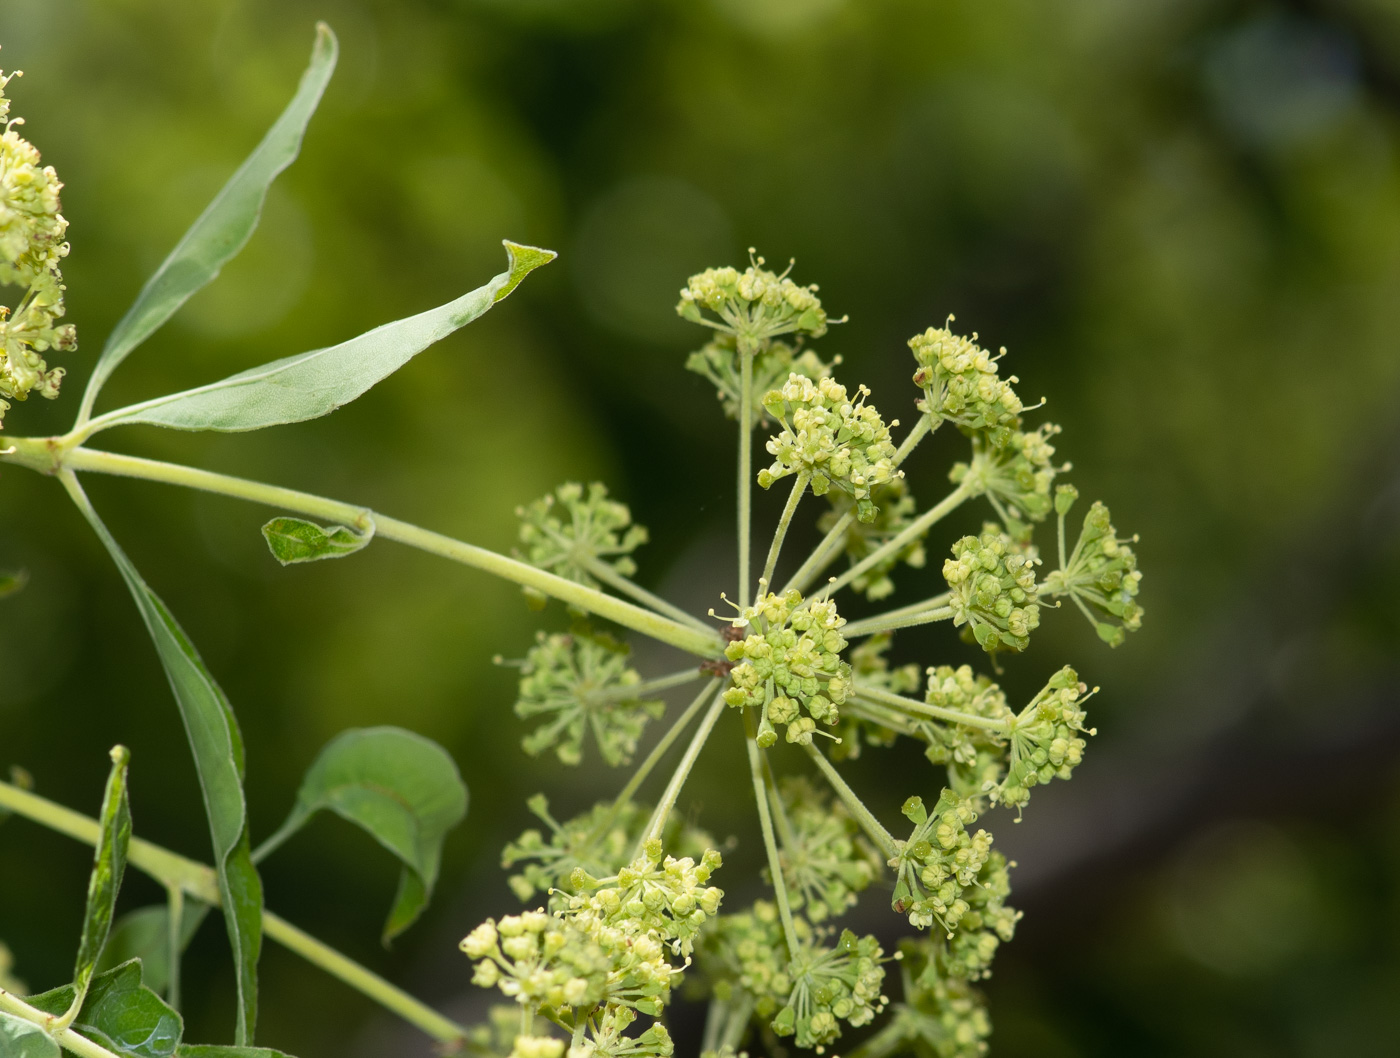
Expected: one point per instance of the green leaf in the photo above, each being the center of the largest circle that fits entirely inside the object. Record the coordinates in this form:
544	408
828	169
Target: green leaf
297	540
12	582
120	1013
313	384
214	1050
24	1039
108	866
402	788
145	934
225	226
217	746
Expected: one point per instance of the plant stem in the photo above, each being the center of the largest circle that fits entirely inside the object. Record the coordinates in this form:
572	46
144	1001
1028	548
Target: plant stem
789	509
898	619
746	355
649	687
614	579
653	758
67	1038
673	789
952	716
48	455
872	826
176	929
765	820
893	546
199	881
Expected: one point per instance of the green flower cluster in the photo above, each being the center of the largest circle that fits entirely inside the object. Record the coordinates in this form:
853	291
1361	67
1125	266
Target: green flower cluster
829	437
975	757
789	662
960	383
598	842
948	876
608	1038
940	1016
1100	575
807	995
753	306
895	509
719	362
824	860
582	683
993	589
667	897
1045	739
1015	477
593	530
870	669
31	247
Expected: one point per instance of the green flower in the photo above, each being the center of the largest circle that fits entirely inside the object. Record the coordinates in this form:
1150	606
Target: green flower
975	757
666	897
581	683
939	863
960	383
1045	738
993	589
940	1016
895	510
719	362
592	530
745	956
986	923
1015	477
598	842
831	438
827	863
788	664
831	985
1100	574
607	1038
31	247
753	306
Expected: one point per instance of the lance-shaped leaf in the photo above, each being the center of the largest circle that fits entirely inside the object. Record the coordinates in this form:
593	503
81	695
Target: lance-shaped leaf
108	866
145	934
24	1039
120	1013
402	788
293	540
225	226
313	384
218	756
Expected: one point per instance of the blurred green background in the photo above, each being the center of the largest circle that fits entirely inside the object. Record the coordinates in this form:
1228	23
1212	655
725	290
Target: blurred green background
1181	216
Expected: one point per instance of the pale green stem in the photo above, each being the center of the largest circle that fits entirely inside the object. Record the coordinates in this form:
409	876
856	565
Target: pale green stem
176	930
789	509
611	577
746	356
770	843
199	881
650	687
826	551
889	622
823	555
952	716
47	457
657	823
50	1023
1060	540
785	832
885	1042
653	758
879	714
872	826
931	603
893	546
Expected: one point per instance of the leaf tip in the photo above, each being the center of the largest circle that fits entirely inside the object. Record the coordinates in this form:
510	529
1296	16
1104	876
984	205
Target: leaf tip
523	260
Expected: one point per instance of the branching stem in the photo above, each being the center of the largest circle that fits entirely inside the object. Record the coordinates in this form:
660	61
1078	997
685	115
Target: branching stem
66	1037
868	823
770	843
49	455
911	705
746	355
658	819
614	579
789	509
899	619
199	881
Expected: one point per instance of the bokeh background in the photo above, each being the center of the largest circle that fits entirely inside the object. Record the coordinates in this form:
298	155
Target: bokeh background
1181	216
